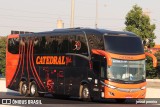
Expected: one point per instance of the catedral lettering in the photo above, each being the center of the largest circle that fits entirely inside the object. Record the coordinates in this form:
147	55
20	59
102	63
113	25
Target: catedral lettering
102	64
49	60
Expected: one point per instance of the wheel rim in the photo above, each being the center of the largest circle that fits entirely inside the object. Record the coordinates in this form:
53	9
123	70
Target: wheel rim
33	89
24	88
86	93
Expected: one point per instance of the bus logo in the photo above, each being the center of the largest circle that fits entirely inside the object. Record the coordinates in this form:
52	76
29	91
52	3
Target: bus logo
53	60
77	45
50	60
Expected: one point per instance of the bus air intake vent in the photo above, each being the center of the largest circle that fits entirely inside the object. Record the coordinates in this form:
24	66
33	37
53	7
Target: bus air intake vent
128	90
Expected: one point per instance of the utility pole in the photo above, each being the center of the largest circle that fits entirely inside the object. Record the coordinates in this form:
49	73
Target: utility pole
96	22
72	14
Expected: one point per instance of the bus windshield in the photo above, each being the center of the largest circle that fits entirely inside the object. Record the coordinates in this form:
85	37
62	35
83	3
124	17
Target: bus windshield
127	71
123	44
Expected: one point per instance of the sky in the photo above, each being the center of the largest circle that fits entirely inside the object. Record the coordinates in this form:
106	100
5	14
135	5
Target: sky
42	15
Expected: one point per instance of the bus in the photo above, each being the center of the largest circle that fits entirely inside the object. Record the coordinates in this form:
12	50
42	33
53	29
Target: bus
79	62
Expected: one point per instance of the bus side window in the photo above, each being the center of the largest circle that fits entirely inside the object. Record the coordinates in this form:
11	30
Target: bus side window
71	43
63	46
39	45
53	45
13	45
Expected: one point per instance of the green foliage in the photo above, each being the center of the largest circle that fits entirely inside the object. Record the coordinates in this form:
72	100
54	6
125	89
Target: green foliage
2	55
150	71
139	23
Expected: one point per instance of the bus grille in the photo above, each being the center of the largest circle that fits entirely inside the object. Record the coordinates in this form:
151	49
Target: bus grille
128	90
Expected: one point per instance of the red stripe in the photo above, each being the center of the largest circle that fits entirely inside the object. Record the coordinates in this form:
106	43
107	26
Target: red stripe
31	66
36	70
23	57
20	59
27	58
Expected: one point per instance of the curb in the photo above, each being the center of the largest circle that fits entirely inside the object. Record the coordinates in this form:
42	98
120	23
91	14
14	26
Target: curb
2	78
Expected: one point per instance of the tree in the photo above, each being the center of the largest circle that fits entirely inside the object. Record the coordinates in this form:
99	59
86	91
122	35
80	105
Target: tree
2	55
139	23
153	72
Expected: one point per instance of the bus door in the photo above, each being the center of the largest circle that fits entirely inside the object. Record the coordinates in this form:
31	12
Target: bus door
60	82
99	69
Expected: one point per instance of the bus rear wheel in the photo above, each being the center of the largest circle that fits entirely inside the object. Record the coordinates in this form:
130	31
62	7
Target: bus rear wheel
85	93
33	89
23	89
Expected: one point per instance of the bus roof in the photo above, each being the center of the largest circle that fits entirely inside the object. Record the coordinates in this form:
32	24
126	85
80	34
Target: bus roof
87	30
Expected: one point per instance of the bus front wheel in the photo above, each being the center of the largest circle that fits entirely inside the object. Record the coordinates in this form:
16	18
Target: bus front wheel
85	93
33	89
23	89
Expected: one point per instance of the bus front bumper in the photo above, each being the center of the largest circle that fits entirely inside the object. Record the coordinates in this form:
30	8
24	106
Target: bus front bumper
116	90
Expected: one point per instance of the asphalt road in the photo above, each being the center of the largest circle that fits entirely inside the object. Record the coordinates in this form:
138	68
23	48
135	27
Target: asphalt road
50	101
71	102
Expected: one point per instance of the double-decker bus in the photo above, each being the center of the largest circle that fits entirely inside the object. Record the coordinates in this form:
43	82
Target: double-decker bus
79	62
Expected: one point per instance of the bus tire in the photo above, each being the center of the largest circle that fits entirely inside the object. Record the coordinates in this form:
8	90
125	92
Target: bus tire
23	89
33	89
85	93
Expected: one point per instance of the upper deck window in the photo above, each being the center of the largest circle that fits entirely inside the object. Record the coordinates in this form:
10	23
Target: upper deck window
121	44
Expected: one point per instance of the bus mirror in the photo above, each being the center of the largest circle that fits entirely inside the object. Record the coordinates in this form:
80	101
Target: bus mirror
153	58
105	54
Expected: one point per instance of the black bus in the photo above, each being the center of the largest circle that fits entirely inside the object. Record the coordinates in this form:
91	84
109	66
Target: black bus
79	62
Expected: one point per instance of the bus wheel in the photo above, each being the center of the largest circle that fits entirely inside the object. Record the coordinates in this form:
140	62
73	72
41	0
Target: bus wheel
23	88
33	89
85	93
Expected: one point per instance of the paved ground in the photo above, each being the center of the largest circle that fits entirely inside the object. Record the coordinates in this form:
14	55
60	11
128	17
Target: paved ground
151	93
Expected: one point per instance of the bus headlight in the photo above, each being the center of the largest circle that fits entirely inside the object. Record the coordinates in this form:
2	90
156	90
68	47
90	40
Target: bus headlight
144	87
110	86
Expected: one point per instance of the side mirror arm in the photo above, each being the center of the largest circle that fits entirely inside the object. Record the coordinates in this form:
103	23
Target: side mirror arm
105	54
153	58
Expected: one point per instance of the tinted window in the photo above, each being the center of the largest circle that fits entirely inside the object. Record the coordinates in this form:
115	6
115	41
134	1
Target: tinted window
52	44
63	44
95	41
46	45
80	45
13	45
124	44
39	45
71	44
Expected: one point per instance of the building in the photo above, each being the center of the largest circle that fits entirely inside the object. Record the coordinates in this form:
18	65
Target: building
155	49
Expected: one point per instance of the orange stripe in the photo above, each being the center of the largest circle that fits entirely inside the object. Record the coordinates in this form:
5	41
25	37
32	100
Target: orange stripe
103	53
126	85
128	57
121	94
